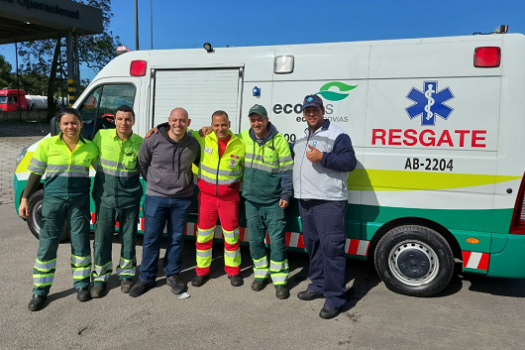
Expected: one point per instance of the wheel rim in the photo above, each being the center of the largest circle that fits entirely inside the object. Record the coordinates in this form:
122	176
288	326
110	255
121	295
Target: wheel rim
37	216
414	263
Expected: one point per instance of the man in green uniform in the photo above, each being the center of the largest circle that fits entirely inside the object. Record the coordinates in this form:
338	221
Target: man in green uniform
117	192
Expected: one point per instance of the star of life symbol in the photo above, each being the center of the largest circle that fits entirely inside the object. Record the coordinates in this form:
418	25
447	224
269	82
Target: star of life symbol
429	103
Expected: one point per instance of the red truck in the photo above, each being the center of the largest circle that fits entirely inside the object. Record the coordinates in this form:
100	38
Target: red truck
12	100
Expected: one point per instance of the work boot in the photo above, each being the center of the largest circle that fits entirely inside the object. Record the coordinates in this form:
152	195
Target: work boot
327	312
125	285
37	302
83	294
98	291
282	292
236	280
258	285
308	295
140	288
177	286
199	280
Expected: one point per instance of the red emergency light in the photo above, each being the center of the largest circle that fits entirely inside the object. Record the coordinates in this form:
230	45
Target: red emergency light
487	57
138	68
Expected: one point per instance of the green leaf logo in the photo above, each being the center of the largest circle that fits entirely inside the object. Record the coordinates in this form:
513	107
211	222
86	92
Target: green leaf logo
333	95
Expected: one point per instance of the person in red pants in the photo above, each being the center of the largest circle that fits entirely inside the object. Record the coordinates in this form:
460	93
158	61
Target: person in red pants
220	173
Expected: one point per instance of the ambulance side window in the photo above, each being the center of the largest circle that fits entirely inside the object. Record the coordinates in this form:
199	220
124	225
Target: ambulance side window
104	100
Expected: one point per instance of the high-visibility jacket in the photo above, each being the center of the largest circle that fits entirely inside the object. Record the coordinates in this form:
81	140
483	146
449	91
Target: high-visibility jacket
117	182
268	168
220	176
67	172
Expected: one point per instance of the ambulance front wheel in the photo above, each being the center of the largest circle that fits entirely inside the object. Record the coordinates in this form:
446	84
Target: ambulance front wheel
34	220
414	260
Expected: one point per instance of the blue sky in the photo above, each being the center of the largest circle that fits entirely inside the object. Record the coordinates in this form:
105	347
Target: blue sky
187	24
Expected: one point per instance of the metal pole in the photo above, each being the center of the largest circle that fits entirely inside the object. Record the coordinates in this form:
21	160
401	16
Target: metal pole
17	82
151	21
136	25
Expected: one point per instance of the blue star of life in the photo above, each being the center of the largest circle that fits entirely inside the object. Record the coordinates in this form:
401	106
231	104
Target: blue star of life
429	103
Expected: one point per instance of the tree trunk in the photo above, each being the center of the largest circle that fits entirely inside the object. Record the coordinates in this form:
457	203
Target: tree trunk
51	110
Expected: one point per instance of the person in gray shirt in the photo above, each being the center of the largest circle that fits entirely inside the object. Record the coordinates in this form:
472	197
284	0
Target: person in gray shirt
165	162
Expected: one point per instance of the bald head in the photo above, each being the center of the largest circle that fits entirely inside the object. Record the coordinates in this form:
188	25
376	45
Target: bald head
178	122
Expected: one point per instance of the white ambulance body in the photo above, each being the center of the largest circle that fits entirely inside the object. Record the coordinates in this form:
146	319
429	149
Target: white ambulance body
437	125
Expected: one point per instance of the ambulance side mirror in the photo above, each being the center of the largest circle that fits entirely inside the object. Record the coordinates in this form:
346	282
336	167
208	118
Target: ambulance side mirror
53	126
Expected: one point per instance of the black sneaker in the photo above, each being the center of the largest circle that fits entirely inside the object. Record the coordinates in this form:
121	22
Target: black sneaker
37	302
199	280
125	285
258	285
282	292
308	295
327	312
140	288
98	291
177	286
83	294
236	280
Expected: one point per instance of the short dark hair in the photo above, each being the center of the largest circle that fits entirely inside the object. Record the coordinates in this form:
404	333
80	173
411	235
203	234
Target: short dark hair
68	110
219	113
127	109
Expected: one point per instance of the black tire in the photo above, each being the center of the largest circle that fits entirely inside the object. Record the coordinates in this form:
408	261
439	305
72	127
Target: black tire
414	260
34	220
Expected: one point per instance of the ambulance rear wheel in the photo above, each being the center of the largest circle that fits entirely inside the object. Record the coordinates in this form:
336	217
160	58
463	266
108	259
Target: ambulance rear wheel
34	220
414	260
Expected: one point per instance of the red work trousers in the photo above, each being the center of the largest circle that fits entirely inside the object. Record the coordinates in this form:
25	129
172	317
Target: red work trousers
226	208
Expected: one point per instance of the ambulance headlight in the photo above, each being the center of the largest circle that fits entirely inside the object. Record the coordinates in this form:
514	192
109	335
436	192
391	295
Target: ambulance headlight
21	156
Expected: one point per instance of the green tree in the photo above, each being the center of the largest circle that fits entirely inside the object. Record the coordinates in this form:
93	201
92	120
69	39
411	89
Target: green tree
95	51
6	77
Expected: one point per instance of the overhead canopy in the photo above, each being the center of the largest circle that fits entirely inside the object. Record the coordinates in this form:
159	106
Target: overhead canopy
24	20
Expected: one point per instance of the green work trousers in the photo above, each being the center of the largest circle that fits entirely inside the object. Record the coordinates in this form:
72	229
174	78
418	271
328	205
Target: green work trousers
262	218
55	212
105	220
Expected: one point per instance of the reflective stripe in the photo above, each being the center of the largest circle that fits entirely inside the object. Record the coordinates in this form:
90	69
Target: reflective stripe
221	172
112	163
231	234
120	173
100	270
124	263
231	254
263	262
79	261
220	182
278	266
43	280
288	167
45	266
207	232
280	278
126	272
263	167
35	169
103	278
204	253
260	273
285	159
259	157
38	163
67	174
81	273
57	168
205	235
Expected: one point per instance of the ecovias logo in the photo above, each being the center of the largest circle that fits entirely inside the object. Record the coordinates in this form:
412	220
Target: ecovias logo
332	95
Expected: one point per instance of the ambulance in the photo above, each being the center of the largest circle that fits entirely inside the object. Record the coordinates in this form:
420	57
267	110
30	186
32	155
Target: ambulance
438	127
